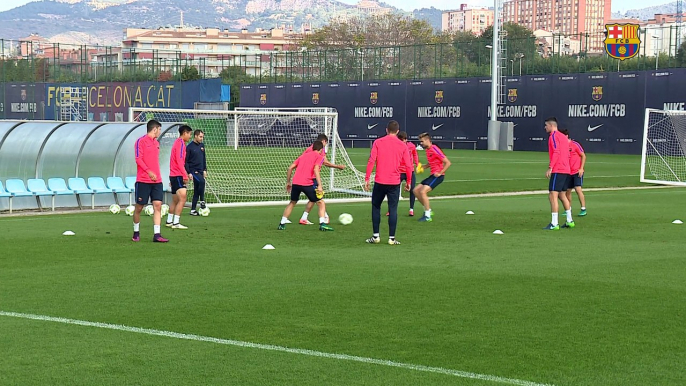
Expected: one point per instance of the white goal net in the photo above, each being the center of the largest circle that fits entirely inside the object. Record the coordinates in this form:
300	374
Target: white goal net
249	151
663	159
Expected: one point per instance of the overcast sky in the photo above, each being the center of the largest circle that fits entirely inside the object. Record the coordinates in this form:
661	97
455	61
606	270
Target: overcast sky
440	4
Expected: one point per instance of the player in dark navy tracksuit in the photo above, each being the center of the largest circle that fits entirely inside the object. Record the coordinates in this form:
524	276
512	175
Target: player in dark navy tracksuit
196	166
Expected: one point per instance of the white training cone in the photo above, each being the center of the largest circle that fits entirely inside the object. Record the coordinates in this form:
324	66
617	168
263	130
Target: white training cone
497	232
677	222
68	233
268	246
469	212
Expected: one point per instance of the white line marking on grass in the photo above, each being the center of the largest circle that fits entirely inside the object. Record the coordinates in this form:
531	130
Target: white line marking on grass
533	178
319	354
536	192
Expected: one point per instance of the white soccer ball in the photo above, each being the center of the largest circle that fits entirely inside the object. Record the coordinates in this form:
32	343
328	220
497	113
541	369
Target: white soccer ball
149	210
129	210
114	209
345	218
164	209
204	212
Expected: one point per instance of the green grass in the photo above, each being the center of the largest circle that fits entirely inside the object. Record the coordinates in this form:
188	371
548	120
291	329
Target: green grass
601	304
471	171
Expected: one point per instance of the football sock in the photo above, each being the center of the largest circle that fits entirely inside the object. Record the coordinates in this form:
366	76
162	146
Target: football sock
391	238
283	220
304	216
568	212
136	227
427	213
583	208
322	220
177	218
554	220
376	235
170	217
156	228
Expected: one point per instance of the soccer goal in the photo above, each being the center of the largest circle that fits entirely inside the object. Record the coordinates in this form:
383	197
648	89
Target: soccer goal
249	151
663	159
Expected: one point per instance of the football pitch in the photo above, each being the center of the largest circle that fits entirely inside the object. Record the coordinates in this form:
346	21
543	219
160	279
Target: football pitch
600	304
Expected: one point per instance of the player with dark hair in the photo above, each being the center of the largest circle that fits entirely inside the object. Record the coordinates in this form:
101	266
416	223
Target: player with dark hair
304	218
178	177
577	161
306	180
387	154
438	163
196	167
558	173
148	180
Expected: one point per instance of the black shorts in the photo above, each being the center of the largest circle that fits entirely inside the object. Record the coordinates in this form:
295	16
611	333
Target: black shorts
575	180
314	183
559	182
432	181
403	177
177	183
146	193
309	191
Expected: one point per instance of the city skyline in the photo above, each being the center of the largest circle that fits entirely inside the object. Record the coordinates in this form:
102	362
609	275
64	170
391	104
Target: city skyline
409	5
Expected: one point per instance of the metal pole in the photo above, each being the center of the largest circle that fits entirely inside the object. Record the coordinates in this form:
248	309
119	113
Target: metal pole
494	62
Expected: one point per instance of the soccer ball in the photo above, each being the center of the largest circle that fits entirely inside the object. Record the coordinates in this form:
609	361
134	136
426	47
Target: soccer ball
164	209
345	218
114	208
204	211
149	210
129	210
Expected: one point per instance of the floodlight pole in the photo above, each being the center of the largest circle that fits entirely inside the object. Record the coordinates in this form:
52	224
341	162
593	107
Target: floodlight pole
493	124
494	62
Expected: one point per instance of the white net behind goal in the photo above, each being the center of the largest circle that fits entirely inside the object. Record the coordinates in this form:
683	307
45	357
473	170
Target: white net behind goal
248	152
663	159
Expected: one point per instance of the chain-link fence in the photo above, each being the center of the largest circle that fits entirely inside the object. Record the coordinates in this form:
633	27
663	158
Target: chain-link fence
465	56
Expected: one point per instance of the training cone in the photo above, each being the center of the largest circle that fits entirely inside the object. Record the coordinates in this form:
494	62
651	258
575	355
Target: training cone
498	232
469	212
677	222
68	233
268	246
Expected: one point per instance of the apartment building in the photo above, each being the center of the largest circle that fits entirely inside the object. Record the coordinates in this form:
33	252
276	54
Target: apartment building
466	19
583	18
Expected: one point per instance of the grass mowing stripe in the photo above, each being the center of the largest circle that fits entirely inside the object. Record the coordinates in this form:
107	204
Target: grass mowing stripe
200	338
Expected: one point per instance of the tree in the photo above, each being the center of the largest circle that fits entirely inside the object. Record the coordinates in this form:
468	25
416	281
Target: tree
391	29
519	40
681	55
188	73
235	76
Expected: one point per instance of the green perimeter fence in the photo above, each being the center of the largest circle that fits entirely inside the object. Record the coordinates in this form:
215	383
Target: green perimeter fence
461	56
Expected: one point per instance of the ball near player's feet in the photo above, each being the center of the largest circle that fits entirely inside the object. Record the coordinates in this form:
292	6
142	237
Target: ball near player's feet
345	218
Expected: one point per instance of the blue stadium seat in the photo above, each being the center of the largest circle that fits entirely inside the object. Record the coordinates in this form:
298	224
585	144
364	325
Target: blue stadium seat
59	187
38	188
16	188
130	183
97	185
4	194
78	185
117	186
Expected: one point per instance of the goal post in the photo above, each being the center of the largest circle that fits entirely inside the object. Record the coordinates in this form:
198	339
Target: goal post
249	151
663	154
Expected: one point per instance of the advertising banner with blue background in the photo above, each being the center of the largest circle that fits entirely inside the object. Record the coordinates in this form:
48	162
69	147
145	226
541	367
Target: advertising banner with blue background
603	111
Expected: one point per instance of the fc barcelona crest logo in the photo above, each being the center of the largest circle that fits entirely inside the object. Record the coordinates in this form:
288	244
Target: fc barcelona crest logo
597	93
315	98
374	97
263	99
512	95
439	96
622	40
